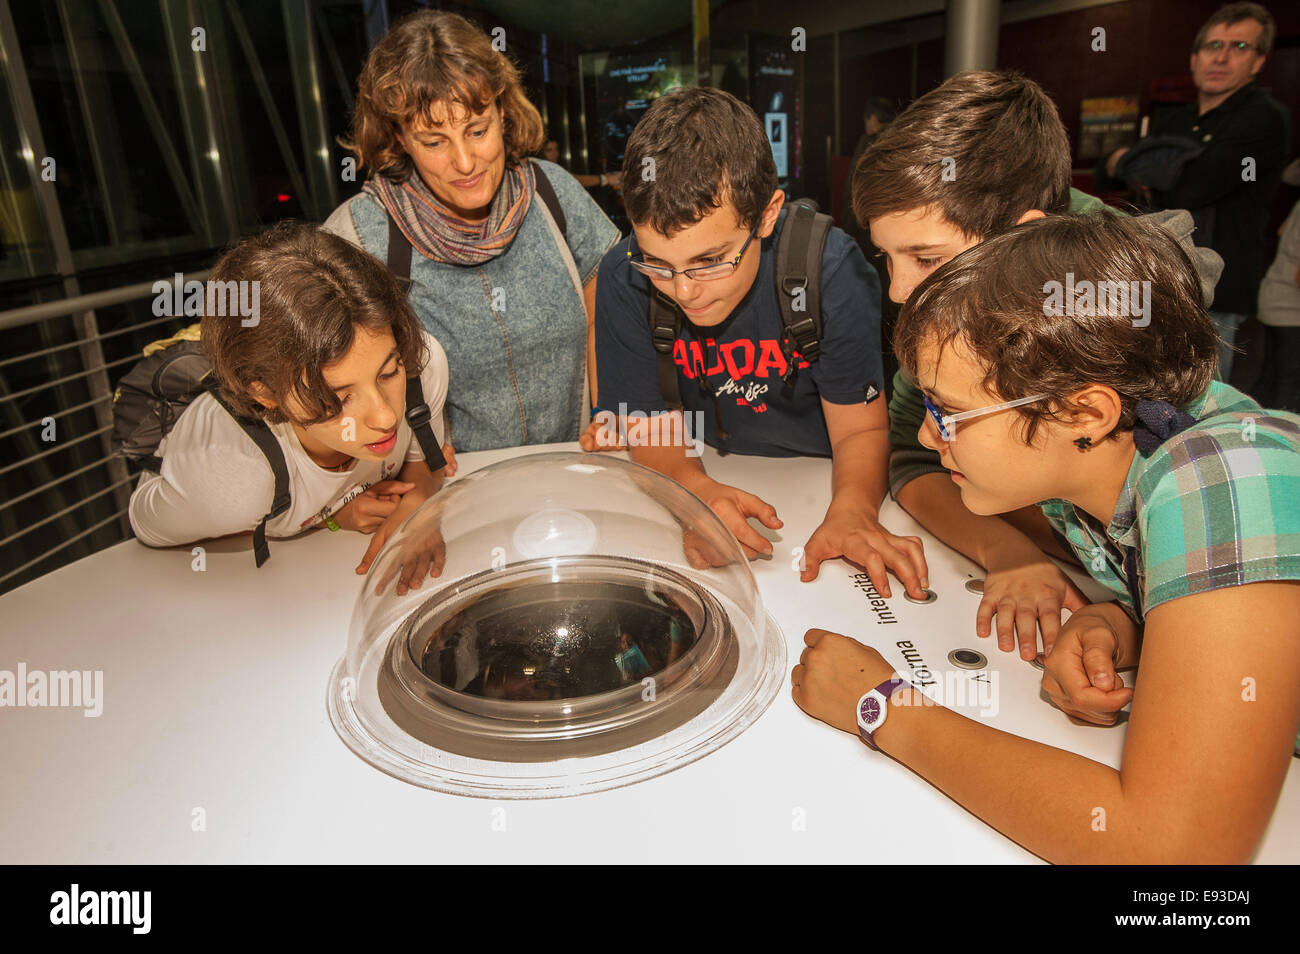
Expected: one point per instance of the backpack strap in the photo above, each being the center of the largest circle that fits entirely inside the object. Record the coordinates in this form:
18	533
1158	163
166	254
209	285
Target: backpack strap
261	435
799	253
399	254
664	324
546	192
418	416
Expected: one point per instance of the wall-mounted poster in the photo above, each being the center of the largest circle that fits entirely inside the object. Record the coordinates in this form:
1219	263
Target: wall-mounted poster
777	136
1108	123
774	95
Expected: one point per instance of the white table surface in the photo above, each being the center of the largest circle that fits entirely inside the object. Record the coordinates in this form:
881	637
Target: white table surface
214	706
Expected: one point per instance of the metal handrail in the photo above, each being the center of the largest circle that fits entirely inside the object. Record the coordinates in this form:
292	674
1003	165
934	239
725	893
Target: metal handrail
53	450
54	483
71	377
82	341
66	510
55	416
16	317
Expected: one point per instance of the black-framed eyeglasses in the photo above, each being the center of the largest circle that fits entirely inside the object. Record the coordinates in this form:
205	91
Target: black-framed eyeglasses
700	273
1236	46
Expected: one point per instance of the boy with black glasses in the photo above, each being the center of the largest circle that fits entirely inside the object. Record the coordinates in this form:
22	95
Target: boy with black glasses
690	320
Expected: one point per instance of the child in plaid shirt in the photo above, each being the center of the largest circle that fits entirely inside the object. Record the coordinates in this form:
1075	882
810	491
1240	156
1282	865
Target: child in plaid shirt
1073	357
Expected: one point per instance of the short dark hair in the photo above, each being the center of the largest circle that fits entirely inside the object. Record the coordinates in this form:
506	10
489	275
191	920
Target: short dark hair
983	148
708	148
315	290
994	297
1234	13
883	109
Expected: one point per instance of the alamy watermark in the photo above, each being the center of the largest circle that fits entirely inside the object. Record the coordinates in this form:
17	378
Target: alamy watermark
956	690
639	429
1088	299
56	689
242	299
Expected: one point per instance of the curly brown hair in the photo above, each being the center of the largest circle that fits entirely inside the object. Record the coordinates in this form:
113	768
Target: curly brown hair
994	297
315	290
435	57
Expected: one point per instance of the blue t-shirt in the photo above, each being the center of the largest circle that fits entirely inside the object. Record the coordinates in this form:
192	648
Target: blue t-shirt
741	358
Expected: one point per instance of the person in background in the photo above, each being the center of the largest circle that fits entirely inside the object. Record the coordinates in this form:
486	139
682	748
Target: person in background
876	115
444	129
1279	313
614	180
1243	136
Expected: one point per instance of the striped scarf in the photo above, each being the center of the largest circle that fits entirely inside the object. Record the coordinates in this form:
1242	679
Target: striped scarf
438	234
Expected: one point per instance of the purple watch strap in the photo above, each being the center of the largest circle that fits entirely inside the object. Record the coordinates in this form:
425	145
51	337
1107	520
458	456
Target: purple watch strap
886	689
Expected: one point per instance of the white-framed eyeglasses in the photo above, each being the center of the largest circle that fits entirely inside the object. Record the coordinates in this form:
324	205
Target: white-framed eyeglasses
947	423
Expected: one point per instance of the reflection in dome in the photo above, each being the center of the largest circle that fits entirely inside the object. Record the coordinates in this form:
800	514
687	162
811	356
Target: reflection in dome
594	624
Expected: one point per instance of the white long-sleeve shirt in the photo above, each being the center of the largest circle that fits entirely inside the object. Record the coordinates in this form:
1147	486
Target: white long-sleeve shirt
1279	295
215	481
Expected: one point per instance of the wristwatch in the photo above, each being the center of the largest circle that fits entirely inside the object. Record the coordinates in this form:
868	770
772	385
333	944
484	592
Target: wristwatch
873	707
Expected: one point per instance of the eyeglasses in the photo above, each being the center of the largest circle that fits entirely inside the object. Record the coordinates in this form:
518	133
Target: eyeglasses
700	273
947	423
1236	47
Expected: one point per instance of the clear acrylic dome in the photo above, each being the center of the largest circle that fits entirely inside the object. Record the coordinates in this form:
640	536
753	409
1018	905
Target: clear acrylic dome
594	624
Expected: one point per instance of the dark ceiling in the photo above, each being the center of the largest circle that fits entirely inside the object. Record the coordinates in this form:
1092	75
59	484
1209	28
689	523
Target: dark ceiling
596	23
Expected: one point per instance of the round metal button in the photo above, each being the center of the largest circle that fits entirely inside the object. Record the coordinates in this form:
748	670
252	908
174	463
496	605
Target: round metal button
975	586
930	597
968	659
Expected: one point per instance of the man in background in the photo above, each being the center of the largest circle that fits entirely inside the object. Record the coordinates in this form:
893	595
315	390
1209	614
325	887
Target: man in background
876	115
1237	138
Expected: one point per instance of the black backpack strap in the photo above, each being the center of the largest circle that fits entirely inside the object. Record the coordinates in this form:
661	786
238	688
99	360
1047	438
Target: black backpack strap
799	253
399	254
418	416
261	435
664	324
546	192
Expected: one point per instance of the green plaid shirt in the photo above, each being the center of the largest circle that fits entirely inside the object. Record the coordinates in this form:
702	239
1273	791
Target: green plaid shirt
1216	505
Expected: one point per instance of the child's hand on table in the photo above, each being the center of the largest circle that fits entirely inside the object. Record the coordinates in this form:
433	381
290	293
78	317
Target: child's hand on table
833	673
423	551
1026	591
859	538
1079	674
734	507
411	498
600	436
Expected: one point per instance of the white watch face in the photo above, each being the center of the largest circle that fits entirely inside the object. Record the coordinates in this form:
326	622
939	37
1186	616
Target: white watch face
871	711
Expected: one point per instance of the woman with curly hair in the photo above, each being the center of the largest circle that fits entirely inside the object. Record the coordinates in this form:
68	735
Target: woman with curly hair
444	130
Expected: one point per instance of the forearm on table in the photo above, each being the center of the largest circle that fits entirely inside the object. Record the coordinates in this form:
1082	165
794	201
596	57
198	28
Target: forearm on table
1050	801
859	472
935	502
666	456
